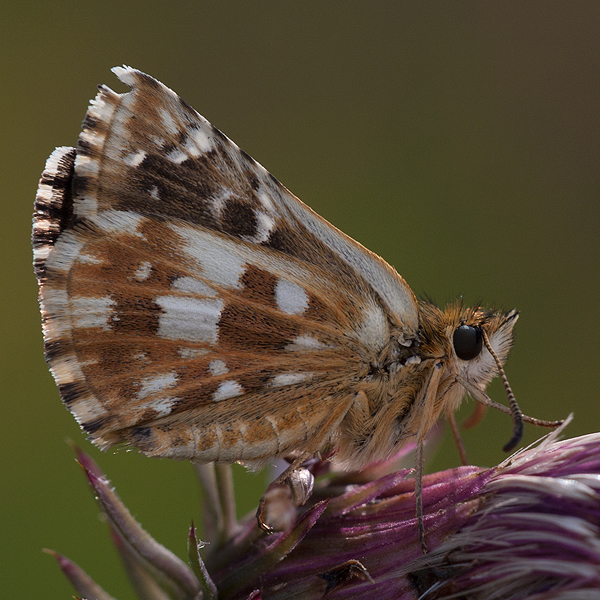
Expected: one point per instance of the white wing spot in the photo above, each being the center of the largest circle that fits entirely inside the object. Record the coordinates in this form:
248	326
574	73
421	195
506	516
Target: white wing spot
89	259
219	259
154	192
218	202
119	222
176	156
306	342
217	367
163	406
291	298
89	312
156	383
168	121
191	319
264	226
194	286
198	143
227	389
135	159
266	201
290	379
143	271
374	330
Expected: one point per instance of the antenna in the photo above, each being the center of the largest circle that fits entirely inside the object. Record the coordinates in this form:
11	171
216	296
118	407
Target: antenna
515	411
517	416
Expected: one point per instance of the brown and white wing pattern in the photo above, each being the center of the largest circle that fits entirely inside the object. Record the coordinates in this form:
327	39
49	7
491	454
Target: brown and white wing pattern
192	306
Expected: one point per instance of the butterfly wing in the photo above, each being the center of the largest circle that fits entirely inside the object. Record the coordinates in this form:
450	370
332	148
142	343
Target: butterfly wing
192	306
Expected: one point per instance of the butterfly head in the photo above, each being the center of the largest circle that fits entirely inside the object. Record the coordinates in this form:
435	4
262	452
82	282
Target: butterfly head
455	337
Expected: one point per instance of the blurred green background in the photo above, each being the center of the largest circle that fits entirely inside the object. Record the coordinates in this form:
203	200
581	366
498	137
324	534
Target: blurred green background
459	140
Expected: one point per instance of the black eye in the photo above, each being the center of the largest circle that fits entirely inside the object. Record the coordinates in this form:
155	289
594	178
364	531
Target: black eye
468	342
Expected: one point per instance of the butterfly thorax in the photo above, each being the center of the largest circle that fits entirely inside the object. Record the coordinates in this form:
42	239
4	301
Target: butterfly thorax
412	383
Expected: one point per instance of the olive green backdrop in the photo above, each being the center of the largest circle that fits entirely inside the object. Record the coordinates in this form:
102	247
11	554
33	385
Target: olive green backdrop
459	140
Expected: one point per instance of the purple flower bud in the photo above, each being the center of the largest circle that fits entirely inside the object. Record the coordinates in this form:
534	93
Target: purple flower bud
528	528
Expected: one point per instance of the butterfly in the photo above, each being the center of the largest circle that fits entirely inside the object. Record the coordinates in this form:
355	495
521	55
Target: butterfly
195	309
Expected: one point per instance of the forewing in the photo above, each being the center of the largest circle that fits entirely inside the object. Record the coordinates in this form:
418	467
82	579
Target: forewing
192	306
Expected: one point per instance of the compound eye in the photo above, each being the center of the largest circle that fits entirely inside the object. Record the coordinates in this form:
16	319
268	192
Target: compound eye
468	342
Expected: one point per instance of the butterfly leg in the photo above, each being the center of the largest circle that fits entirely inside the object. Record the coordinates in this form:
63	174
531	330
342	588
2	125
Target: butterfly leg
277	508
289	490
460	445
216	481
344	573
